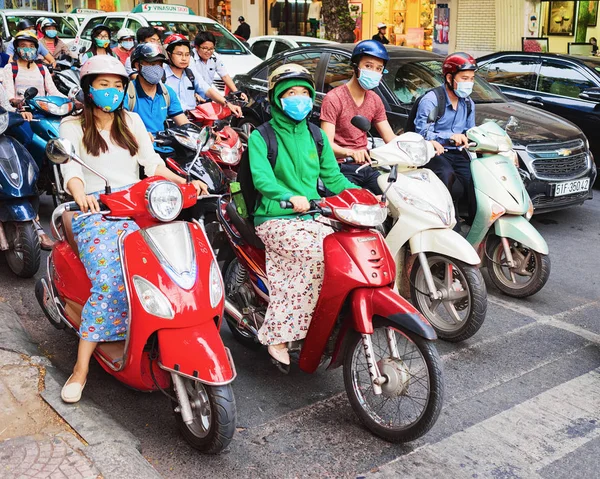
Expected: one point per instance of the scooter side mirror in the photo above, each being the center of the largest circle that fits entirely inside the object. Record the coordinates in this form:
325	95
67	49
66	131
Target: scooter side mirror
361	123
30	93
60	151
393	176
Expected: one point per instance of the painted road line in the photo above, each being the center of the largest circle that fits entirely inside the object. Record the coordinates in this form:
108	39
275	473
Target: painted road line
517	443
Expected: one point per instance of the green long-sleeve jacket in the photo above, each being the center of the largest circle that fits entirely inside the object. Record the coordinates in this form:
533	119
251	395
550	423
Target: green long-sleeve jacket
298	166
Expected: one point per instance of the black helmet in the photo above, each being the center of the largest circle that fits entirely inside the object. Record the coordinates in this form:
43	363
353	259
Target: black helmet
25	24
241	19
149	52
100	28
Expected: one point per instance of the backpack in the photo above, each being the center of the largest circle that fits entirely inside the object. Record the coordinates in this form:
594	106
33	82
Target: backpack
132	95
436	114
15	69
188	73
251	195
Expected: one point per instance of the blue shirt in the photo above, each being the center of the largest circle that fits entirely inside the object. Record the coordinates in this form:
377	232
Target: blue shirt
3	59
452	122
154	111
184	88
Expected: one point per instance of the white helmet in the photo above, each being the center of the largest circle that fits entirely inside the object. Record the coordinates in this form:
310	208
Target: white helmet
125	33
103	64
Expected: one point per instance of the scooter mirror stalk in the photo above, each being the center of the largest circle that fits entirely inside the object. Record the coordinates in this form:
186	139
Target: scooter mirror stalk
392	177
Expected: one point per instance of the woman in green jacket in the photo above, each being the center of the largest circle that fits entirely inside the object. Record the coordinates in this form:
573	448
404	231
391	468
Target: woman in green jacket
293	240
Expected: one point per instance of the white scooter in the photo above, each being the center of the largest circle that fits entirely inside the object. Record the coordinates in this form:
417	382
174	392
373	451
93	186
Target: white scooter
436	266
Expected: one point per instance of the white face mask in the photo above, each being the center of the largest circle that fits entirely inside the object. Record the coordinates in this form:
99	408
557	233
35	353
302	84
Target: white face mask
463	89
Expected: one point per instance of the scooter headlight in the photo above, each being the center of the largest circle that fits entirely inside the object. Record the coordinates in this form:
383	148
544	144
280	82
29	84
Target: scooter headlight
511	155
187	142
447	216
362	215
529	213
164	200
152	299
3	120
229	155
216	284
53	108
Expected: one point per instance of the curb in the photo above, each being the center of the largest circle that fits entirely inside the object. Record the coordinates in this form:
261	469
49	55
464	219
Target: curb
112	449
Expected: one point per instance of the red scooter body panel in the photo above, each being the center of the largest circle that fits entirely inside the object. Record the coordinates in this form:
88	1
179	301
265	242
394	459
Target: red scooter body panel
209	112
197	353
69	274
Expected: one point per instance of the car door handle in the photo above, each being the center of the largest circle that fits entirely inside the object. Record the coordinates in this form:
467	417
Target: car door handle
536	101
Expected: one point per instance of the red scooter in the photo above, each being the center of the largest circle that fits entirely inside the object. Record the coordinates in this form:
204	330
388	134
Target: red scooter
175	295
229	143
392	371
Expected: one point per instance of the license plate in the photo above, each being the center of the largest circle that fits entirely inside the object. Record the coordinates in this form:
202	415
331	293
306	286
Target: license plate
570	187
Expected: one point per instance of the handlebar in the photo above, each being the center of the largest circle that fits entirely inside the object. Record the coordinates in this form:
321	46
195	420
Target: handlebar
346	160
315	208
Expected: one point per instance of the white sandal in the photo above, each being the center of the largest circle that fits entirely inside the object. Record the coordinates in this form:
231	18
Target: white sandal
71	392
279	354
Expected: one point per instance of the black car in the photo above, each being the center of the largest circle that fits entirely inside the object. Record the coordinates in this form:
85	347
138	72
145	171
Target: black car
551	149
567	85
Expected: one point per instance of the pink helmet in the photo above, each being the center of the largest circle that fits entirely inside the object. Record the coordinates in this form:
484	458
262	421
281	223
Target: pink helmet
103	65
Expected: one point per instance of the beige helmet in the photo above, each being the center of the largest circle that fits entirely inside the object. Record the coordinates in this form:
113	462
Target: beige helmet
287	71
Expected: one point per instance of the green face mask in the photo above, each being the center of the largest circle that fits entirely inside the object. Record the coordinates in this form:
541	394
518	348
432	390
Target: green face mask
101	42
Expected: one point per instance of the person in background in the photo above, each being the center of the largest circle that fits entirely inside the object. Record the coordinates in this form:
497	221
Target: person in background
100	43
243	30
143	35
4	57
147	95
207	62
180	77
26	25
313	16
594	43
125	39
114	142
51	41
293	240
380	35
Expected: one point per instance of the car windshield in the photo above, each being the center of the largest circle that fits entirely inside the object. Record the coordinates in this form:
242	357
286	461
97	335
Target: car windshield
64	27
226	42
410	79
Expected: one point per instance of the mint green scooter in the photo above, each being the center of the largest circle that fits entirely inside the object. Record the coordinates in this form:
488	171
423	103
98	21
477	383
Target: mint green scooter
514	252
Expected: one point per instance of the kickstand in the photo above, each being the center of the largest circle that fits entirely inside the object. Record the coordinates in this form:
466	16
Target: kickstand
284	368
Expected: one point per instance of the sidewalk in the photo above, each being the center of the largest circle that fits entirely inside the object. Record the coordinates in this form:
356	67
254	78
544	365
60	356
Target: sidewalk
40	436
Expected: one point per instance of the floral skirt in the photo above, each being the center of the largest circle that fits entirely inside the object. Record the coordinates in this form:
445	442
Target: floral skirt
105	316
294	251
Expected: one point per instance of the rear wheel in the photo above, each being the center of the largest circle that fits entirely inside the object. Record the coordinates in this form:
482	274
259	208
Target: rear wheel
214	416
527	277
23	256
460	312
412	394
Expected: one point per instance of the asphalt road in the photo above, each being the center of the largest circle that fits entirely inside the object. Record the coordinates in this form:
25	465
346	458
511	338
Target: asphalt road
521	395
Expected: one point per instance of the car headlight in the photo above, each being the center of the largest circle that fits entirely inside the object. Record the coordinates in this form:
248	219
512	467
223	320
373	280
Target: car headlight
446	216
3	120
152	299
362	215
164	200
53	108
216	284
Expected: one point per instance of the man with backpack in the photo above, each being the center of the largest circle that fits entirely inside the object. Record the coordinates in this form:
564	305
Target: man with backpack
180	77
143	35
147	95
444	114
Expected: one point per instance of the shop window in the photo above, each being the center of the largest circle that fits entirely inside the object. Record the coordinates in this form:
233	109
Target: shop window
562	79
512	72
261	48
339	71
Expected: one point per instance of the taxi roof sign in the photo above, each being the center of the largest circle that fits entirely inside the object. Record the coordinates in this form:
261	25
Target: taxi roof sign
86	11
162	8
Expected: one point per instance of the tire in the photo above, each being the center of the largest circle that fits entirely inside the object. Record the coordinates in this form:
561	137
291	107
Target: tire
24	255
431	379
537	268
453	320
241	335
212	431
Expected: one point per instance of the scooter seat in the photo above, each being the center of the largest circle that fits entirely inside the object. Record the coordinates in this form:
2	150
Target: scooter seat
244	227
67	221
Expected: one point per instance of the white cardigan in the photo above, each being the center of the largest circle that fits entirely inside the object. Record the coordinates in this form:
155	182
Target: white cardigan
116	164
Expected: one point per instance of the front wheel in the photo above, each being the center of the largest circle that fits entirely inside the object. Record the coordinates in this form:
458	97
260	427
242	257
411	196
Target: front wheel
214	416
461	310
529	274
412	394
24	255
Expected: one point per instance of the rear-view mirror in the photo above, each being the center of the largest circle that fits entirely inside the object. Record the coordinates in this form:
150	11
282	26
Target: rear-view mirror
361	123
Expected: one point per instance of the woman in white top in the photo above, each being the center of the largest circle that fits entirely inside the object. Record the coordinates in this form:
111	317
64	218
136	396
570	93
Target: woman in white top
114	142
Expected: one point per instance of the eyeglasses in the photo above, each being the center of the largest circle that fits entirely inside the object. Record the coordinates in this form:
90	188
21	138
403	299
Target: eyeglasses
207	49
103	37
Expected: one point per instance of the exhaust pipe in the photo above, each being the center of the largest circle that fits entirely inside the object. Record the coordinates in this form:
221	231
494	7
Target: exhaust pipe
238	316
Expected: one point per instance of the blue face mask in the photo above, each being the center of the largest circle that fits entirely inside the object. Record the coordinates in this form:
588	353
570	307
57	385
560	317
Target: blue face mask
297	107
51	33
463	89
369	79
127	45
107	99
